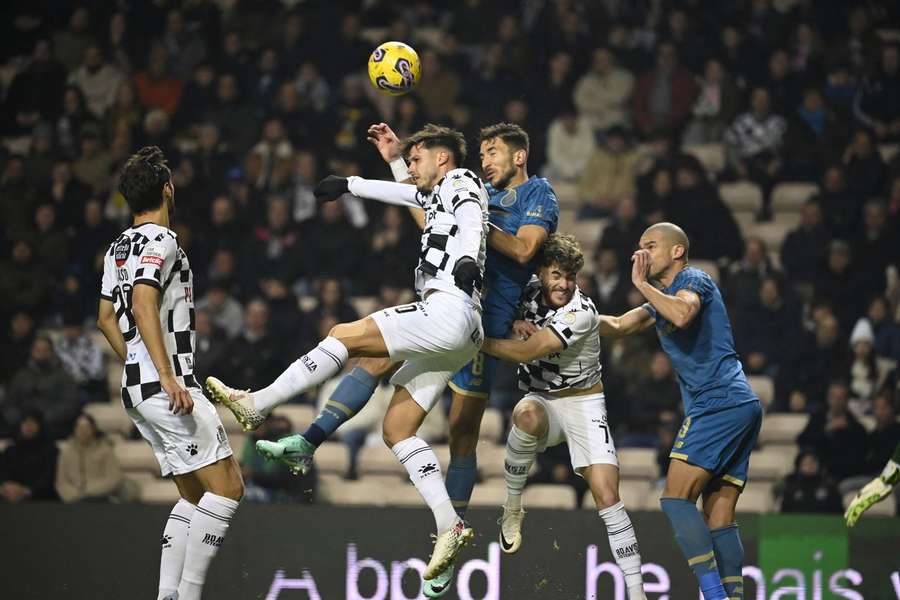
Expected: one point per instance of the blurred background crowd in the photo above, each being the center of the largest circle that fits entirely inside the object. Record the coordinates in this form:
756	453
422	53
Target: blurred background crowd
767	129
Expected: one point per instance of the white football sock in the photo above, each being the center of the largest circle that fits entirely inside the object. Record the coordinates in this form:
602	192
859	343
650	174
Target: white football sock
521	448
624	546
174	543
208	527
313	368
425	472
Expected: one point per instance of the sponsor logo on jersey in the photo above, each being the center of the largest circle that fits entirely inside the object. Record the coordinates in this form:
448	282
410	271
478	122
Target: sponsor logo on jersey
538	211
569	318
152	260
122	250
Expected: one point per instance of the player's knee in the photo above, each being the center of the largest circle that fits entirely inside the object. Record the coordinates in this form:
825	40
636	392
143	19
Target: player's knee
605	495
376	367
530	417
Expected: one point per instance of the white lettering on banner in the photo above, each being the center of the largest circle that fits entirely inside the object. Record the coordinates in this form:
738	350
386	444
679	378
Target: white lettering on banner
593	571
756	574
281	583
397	571
798	591
895	580
854	577
662	583
354	566
491	569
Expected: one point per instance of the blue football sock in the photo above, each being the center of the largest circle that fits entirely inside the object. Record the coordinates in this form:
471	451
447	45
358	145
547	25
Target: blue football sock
461	475
696	544
348	398
730	557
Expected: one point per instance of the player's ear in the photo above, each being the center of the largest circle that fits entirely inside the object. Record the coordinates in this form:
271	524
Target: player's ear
677	252
520	157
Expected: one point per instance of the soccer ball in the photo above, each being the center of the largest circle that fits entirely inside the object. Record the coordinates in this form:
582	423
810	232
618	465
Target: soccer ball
394	68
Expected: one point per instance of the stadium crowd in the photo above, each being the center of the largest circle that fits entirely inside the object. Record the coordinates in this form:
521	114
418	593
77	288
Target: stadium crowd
254	102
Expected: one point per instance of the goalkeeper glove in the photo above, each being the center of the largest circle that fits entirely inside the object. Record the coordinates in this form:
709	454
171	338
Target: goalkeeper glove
872	493
467	274
331	188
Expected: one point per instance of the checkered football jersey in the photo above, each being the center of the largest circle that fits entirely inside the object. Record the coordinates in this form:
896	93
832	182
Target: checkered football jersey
440	238
148	254
577	365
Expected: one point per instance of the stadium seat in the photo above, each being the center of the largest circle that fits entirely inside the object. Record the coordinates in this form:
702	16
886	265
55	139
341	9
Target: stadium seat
741	196
636	494
548	495
885	508
781	428
332	457
771	462
888	151
400	493
774	232
711	156
757	498
110	416
492	426
136	455
638	463
587	231
746	221
566	194
489	493
790	197
159	491
378	460
334	490
709	266
300	415
763	387
490	459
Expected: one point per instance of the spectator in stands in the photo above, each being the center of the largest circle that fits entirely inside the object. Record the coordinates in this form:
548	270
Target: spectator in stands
74	116
67	194
836	436
812	362
754	144
24	286
652	401
268	165
609	176
602	94
267	481
337	254
609	286
841	206
695	205
49	239
767	328
664	96
883	439
43	384
838	283
556	88
256	355
156	86
783	84
14	350
88	470
884	328
274	250
17	196
808	489
867	372
210	346
443	89
81	357
94	162
570	143
179	41
804	248
69	44
877	246
35	92
861	44
225	312
28	466
97	80
877	106
814	133
230	114
314	90
393	250
715	107
623	232
745	276
866	172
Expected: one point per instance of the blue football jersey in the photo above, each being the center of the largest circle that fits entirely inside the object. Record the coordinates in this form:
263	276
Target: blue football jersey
709	373
530	203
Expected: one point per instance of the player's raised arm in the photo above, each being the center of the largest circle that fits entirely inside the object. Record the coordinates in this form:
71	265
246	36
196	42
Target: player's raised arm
391	150
635	320
679	309
542	343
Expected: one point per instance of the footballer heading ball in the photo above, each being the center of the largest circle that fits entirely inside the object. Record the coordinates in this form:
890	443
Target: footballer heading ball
394	68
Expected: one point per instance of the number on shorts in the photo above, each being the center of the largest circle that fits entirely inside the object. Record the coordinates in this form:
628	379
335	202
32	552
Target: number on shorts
478	364
605	429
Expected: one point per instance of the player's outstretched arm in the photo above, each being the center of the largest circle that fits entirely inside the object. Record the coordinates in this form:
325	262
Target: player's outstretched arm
635	320
333	187
390	148
542	343
679	309
875	491
109	325
145	306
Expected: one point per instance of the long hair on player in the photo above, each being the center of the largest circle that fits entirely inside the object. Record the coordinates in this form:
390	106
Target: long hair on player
143	179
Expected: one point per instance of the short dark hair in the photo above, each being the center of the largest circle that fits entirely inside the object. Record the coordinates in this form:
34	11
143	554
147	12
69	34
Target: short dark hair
438	136
143	177
563	251
512	135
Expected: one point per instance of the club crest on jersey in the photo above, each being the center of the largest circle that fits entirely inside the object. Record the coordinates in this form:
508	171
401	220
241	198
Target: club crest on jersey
122	250
509	199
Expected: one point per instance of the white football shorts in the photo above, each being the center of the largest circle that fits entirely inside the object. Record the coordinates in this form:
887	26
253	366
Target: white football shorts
182	443
434	337
581	422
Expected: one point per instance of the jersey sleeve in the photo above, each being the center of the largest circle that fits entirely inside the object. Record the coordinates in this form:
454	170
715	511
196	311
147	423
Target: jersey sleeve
108	281
571	326
155	262
695	281
542	209
463	187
